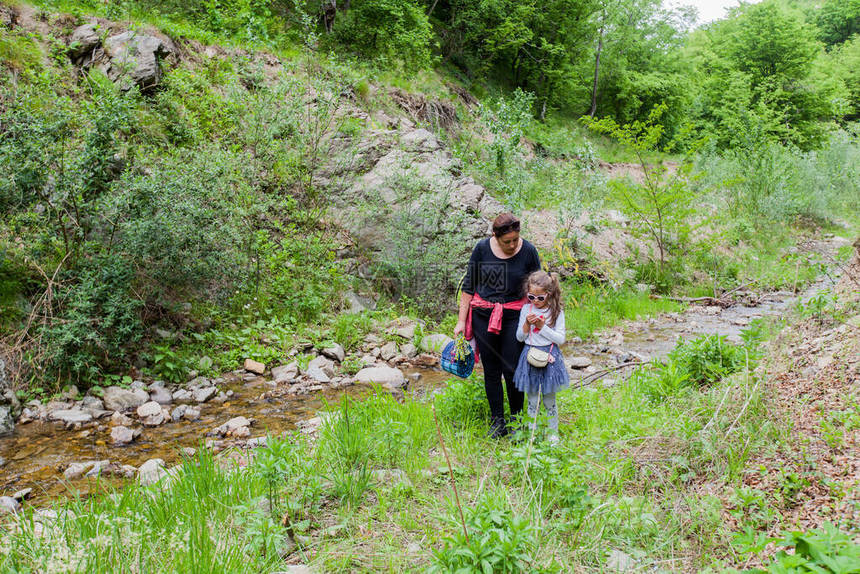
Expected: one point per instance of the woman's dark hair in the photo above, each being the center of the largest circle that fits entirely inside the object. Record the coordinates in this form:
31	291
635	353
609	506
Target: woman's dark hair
505	223
551	286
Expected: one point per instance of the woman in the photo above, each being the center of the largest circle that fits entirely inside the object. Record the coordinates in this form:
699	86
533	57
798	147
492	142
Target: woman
490	306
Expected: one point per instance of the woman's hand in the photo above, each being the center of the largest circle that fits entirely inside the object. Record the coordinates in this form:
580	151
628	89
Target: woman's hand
460	328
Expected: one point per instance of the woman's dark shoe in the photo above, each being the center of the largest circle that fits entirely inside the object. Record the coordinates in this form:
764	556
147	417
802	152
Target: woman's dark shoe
498	428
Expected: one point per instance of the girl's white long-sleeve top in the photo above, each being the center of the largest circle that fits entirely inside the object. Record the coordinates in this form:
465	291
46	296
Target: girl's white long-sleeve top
545	336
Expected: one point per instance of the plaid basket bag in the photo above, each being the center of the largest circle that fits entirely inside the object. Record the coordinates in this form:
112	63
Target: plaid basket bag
458	358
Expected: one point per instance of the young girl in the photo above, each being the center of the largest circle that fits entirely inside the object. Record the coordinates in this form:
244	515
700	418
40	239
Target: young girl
542	325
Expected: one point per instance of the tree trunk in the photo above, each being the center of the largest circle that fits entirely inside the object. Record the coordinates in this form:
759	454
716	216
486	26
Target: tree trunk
593	109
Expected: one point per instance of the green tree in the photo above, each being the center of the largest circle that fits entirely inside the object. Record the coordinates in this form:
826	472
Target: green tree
837	20
661	206
756	71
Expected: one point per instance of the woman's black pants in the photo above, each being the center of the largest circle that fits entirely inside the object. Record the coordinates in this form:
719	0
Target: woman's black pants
500	354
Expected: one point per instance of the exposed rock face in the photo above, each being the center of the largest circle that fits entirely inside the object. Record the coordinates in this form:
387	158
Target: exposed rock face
71	416
285	373
129	58
255	367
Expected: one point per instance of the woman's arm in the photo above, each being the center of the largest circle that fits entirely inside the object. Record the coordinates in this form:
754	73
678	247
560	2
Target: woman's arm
556	332
465	302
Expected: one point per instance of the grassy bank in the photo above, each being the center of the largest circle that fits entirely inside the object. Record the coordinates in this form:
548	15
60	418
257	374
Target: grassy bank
373	492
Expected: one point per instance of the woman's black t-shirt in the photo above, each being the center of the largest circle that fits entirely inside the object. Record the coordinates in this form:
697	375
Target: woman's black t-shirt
499	280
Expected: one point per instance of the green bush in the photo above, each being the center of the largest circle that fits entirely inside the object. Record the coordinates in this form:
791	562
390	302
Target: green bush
697	363
823	550
96	324
463	401
499	541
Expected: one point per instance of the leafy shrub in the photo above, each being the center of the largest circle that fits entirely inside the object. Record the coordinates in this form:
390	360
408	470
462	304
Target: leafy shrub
463	401
700	362
499	541
97	322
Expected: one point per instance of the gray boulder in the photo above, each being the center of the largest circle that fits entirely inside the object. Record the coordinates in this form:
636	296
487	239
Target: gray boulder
151	471
285	373
388	377
9	505
77	469
119	399
83	41
335	352
321	369
388	351
204	394
123	435
133	59
71	416
434	343
7	421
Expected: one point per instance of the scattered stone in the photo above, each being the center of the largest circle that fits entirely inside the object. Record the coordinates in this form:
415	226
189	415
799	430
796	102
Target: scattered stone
285	373
161	396
119	399
191	414
335	352
579	362
122	435
388	377
204	394
221	398
71	416
117	418
426	360
415	376
151	471
77	469
257	441
198	382
406	331
23	494
2	461
97	468
434	343
255	367
413	548
70	393
388	351
189	452
180	395
321	369
235	427
409	351
9	505
148	409
177	413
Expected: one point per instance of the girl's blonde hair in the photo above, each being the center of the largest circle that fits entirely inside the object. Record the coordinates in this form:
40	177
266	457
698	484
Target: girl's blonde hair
550	284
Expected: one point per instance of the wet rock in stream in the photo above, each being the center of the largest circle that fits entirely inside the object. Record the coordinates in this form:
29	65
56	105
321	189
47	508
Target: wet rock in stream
121	435
119	399
151	471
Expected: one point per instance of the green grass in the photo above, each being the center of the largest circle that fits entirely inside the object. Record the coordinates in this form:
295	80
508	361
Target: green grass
590	308
374	492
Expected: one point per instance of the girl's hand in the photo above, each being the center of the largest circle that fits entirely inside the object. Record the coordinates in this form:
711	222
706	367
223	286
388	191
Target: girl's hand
530	318
460	328
539	322
526	326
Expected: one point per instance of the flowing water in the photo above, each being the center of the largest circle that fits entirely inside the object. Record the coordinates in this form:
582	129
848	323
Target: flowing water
36	453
